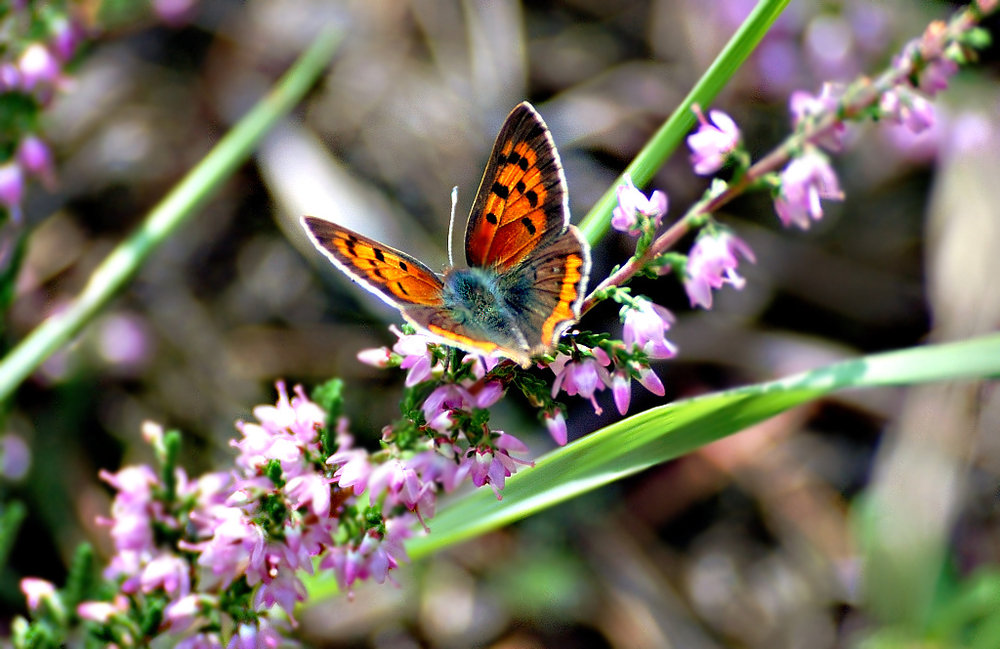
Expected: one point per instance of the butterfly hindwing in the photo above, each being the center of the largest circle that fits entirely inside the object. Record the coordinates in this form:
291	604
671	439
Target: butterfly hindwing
522	200
554	281
394	276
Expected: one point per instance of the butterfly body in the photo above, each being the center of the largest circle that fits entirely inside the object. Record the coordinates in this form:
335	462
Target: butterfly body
527	267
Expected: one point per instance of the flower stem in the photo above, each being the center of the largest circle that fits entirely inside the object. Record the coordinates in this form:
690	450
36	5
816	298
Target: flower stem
123	262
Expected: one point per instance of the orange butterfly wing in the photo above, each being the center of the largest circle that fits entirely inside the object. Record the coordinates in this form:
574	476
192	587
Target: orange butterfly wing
522	202
394	276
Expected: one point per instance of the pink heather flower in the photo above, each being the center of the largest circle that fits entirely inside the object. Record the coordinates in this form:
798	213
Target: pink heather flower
936	75
252	637
905	107
12	189
712	263
67	34
645	328
556	423
621	385
310	490
632	203
99	612
439	466
495	465
805	181
354	468
621	389
583	377
35	157
379	357
805	106
38	67
649	380
36	591
713	142
417	358
373	558
168	573
200	641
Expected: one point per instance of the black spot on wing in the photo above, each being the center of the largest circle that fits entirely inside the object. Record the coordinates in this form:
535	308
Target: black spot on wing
491	218
529	226
532	197
500	191
378	254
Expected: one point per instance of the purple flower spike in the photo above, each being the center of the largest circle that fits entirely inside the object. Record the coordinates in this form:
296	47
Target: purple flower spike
805	181
716	138
712	263
632	203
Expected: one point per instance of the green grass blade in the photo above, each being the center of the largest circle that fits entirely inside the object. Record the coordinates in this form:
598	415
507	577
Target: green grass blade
666	432
597	221
123	262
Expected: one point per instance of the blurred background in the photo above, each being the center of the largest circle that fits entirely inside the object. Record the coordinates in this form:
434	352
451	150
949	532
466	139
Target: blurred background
758	541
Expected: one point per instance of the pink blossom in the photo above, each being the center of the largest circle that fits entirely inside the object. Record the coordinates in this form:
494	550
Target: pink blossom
807	179
36	158
101	612
12	189
495	465
807	108
632	203
354	468
712	263
166	572
38	67
645	327
417	357
713	142
583	377
556	423
379	357
621	389
248	636
36	591
902	106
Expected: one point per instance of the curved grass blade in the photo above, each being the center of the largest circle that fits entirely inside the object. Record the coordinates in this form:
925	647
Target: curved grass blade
666	432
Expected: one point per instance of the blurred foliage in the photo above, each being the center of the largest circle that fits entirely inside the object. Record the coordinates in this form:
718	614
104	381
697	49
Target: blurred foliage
749	542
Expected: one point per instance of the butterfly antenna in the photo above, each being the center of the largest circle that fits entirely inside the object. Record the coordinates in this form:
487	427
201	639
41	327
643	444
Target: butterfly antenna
451	225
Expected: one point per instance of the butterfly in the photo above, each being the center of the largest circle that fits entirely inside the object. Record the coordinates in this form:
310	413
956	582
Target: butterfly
527	266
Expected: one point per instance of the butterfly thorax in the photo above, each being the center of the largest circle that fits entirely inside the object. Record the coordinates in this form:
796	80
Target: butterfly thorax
482	299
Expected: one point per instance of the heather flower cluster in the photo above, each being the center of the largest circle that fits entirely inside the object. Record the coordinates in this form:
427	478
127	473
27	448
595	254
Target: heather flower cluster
204	560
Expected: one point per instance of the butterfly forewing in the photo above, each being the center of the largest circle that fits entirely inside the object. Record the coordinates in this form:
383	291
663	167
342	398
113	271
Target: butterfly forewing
394	276
522	200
